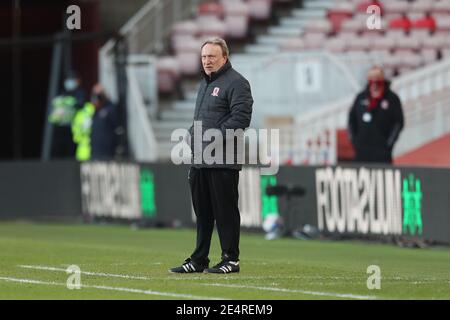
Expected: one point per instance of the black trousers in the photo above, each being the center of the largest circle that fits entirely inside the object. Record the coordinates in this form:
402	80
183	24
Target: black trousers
373	154
215	198
63	146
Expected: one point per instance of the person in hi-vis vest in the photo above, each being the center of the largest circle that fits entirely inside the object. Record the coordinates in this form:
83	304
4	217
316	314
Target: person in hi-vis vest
81	131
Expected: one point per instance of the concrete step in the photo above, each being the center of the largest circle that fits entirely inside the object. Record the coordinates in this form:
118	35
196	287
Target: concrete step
176	115
163	129
184	106
191	95
273	40
171	125
261	49
309	14
317	4
294	22
285	31
165	149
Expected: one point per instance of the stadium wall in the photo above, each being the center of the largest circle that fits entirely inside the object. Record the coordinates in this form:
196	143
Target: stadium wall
370	201
35	190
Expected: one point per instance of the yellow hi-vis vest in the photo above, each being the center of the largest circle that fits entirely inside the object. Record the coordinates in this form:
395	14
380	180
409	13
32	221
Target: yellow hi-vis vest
81	131
63	110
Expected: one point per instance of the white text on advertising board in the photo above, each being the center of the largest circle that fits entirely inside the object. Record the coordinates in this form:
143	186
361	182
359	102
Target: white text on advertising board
366	201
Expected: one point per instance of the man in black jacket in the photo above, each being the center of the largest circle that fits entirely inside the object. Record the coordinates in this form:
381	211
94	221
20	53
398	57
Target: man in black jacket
375	120
104	125
224	105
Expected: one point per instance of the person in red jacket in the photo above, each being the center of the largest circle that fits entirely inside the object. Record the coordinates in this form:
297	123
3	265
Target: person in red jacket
375	120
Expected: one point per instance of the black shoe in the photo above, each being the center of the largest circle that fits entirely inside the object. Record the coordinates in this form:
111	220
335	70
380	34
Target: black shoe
189	266
224	267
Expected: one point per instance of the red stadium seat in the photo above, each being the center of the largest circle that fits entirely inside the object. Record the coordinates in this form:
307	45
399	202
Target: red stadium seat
294	45
429	55
356	24
382	43
319	26
422	6
283	1
401	23
168	72
260	10
210	8
390	16
410	60
420	34
345	150
364	4
406	44
395	33
183	31
441	7
445	53
413	16
335	45
437	41
188	57
443	23
389	73
314	41
236	19
339	13
185	27
211	26
359	44
347	36
396	6
391	61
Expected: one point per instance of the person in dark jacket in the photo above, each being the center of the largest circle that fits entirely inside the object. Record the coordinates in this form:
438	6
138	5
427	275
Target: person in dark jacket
375	120
64	107
104	125
224	104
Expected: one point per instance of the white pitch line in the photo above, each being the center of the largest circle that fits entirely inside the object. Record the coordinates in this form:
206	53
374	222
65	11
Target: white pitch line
99	274
314	293
130	290
112	275
126	276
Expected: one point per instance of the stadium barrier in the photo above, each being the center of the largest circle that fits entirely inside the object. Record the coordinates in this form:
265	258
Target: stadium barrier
40	190
364	201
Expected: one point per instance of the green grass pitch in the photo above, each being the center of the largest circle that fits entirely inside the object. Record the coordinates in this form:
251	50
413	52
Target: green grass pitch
117	262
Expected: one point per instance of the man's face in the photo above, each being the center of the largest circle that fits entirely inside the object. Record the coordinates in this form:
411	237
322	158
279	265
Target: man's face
212	58
97	96
376	82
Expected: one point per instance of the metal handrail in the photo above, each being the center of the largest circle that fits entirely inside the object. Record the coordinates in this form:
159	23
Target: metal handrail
142	138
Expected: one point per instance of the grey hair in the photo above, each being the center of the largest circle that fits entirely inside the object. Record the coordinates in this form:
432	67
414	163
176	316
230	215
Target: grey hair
220	42
376	67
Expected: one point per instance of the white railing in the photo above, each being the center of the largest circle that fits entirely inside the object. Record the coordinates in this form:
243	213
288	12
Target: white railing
144	33
302	84
288	84
142	99
426	105
148	29
143	144
425	95
107	72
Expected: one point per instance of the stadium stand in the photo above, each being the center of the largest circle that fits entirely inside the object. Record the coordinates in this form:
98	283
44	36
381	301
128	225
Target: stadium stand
435	153
413	36
413	28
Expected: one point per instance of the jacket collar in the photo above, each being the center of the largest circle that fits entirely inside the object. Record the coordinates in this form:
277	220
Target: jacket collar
387	87
218	73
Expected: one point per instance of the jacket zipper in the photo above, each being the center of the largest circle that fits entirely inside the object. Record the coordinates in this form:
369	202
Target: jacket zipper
201	101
